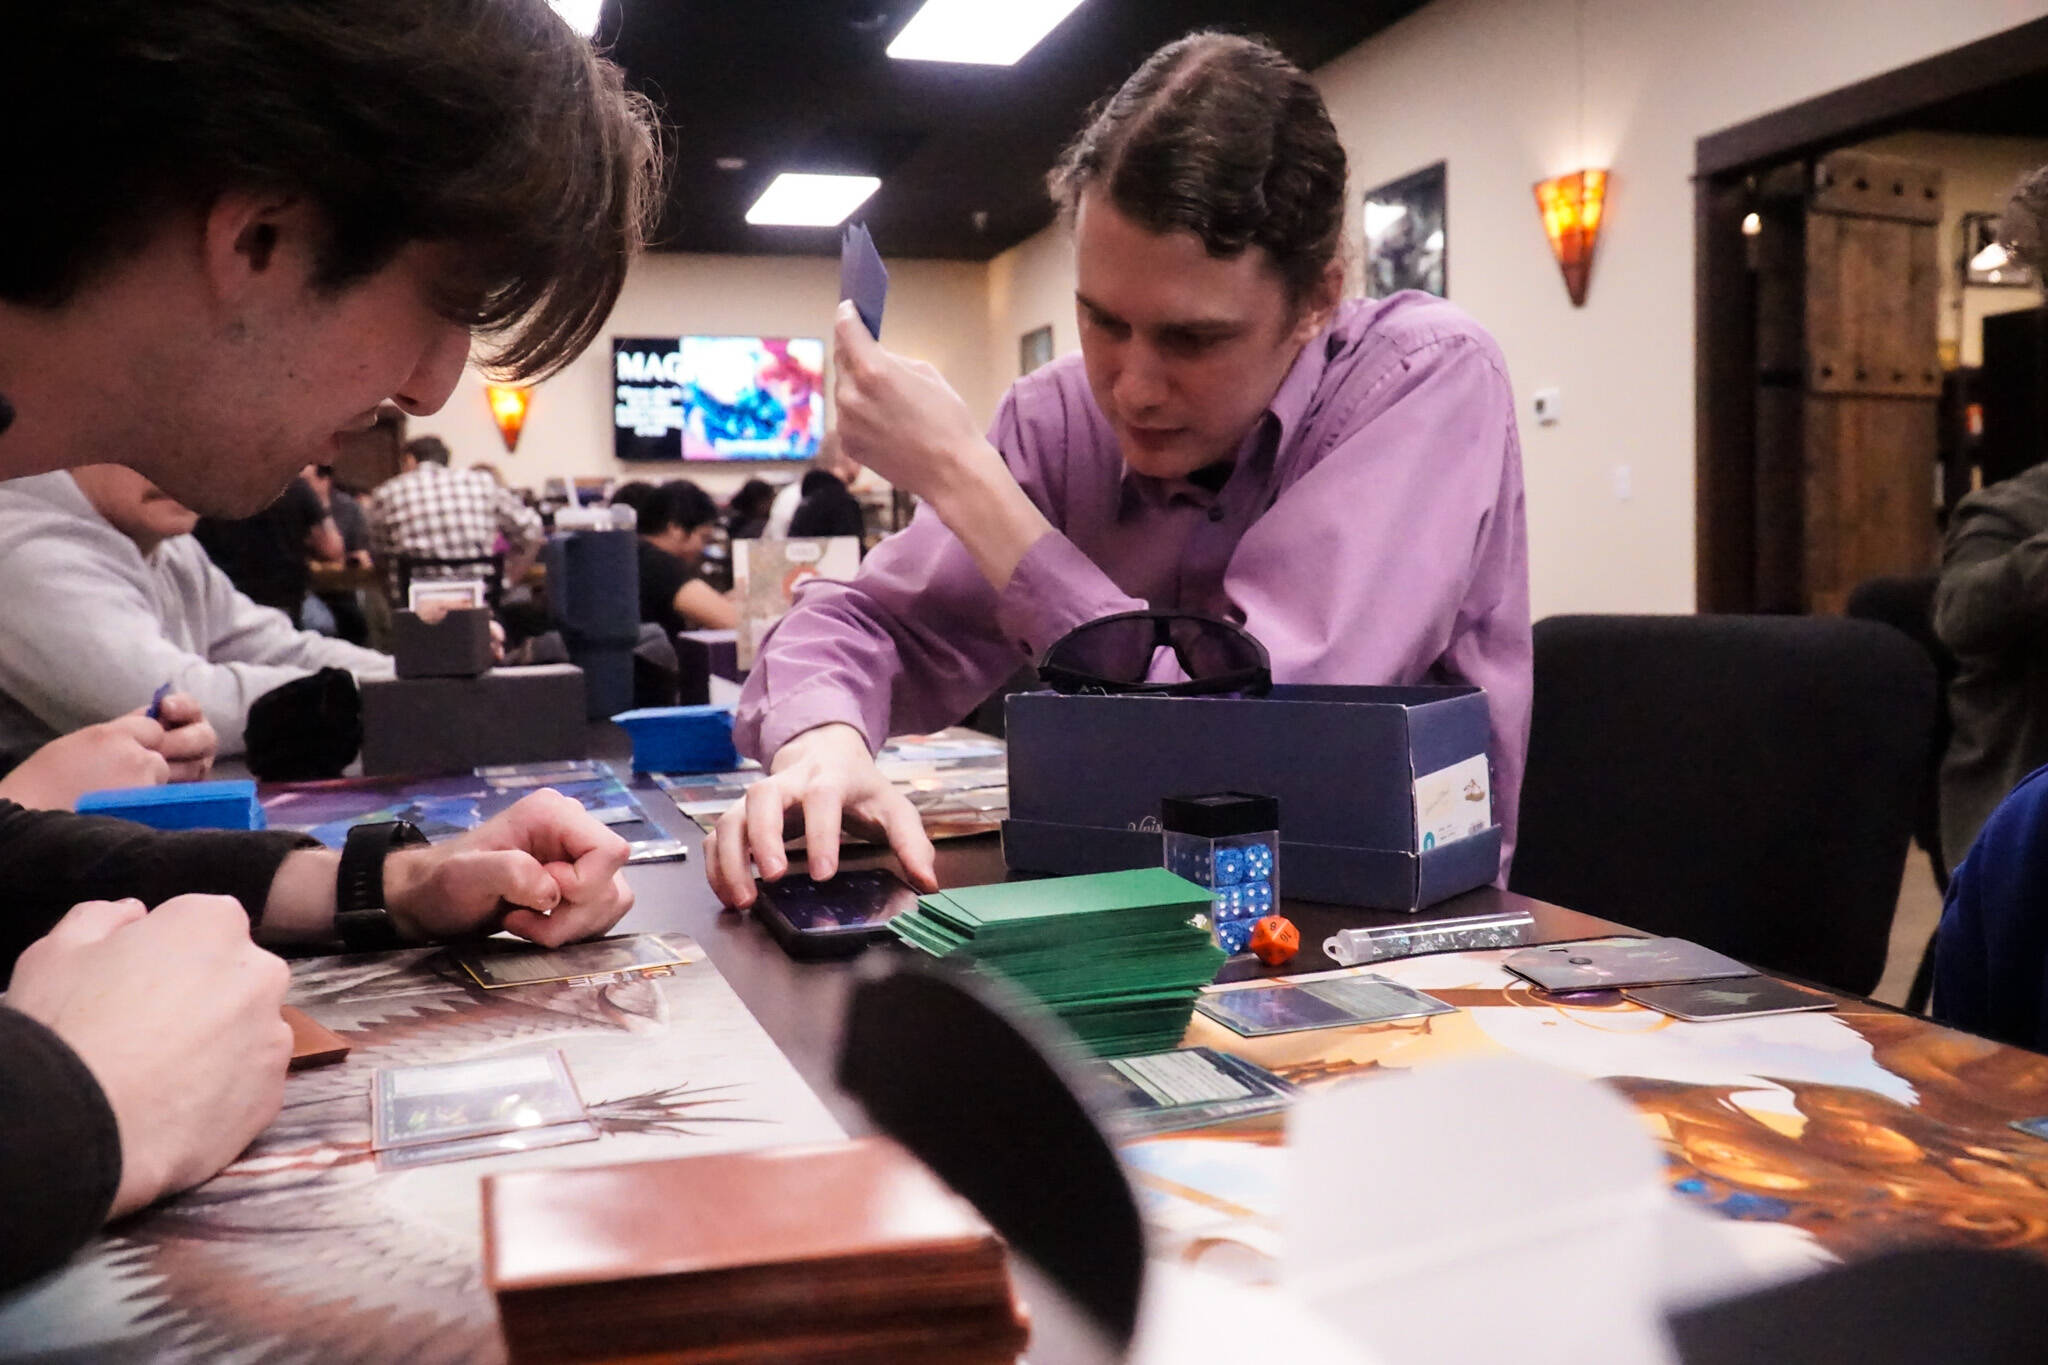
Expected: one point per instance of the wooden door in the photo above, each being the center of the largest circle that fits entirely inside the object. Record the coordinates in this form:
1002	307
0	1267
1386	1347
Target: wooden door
1848	382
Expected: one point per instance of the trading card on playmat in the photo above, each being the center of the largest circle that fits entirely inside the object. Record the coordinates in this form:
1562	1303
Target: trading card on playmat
1193	1087
415	1105
1742	997
501	963
1374	999
1613	964
1259	1010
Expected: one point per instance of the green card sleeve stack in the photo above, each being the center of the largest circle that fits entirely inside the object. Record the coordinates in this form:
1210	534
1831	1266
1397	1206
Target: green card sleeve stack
1117	956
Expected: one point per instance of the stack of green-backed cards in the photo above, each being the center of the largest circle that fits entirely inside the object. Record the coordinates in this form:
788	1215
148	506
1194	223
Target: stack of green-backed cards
1118	956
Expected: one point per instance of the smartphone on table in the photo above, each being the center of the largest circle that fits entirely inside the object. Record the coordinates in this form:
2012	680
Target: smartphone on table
838	918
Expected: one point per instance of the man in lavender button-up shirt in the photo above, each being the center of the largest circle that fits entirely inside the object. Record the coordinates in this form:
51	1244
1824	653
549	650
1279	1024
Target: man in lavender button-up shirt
1343	480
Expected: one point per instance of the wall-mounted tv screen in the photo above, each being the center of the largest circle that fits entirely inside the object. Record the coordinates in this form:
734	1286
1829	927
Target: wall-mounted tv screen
717	398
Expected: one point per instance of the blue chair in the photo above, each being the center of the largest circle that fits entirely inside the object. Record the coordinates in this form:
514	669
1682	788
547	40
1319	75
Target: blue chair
1991	951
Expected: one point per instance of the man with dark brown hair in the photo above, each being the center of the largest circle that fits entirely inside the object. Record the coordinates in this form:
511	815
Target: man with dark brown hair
232	229
1341	479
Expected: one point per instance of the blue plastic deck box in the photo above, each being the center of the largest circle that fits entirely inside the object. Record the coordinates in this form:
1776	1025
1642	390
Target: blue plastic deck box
681	739
227	804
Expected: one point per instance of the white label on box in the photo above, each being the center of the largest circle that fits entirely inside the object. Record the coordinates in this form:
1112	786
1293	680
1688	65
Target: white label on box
1453	803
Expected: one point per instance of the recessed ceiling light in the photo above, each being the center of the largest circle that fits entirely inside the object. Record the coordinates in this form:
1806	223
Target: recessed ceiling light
581	15
799	200
977	32
732	163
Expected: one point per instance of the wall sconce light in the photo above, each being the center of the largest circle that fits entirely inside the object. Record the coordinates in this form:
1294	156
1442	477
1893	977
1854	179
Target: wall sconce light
508	409
1571	206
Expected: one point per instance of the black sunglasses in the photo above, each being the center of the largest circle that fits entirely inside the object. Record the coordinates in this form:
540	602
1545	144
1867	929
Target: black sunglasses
1113	654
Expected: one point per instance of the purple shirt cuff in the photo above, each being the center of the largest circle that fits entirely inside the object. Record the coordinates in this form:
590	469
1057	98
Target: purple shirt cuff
1054	588
807	710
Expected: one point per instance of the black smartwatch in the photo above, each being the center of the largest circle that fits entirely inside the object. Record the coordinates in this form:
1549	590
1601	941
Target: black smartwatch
360	920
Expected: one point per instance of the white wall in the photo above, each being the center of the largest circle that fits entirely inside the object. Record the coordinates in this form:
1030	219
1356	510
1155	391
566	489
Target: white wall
1492	87
1977	173
1030	286
936	312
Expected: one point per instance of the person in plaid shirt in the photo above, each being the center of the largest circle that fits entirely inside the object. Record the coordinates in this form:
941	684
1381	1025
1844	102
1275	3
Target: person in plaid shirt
433	512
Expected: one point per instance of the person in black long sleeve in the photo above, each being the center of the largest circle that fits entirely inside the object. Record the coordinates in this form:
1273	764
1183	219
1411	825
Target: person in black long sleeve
235	231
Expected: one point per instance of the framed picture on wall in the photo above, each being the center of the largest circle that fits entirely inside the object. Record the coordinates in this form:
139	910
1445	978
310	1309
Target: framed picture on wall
1034	348
1406	242
1986	262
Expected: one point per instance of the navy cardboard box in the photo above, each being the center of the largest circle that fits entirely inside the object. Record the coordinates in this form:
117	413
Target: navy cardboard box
1378	786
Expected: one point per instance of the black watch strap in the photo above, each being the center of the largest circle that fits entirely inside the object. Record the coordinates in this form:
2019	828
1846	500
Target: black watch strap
360	919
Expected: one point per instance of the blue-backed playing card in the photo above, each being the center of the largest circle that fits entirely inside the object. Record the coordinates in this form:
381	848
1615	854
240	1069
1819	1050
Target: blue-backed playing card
862	277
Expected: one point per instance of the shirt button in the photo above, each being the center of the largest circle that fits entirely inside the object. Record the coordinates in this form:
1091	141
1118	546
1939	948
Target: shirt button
1216	512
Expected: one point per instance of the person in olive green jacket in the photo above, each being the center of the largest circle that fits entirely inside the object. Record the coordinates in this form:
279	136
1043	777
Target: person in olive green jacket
1991	610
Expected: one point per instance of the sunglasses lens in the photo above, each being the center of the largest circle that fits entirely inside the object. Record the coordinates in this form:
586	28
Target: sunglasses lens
1211	649
1111	650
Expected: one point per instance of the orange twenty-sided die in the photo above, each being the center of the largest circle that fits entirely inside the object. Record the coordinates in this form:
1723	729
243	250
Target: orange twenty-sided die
1275	940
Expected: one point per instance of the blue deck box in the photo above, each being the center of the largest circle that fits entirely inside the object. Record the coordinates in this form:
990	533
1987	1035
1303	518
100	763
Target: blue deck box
680	739
228	804
1385	792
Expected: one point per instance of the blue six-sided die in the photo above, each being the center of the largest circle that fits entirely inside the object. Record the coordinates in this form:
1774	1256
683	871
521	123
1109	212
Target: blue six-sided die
1234	935
1230	866
1258	862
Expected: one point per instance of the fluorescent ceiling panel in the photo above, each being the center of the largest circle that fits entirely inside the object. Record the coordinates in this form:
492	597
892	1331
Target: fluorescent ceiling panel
978	32
799	200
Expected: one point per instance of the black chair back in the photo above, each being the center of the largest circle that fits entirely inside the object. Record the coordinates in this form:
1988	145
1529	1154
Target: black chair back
1906	604
1744	781
963	1074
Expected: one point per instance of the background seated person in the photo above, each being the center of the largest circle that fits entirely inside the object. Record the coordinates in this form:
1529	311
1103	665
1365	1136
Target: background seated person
1342	479
1991	610
429	511
337	611
748	510
676	520
124	601
819	504
267	556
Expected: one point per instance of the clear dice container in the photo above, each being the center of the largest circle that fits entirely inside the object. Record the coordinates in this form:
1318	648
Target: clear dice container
1242	871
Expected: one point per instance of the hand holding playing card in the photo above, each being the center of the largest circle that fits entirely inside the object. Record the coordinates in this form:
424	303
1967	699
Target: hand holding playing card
899	417
545	869
134	750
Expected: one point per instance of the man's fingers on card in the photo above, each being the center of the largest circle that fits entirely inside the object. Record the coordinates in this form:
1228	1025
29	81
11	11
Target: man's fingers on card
900	824
728	863
765	805
822	832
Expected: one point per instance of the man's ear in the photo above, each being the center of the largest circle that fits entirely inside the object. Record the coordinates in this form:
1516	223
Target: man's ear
1321	303
255	240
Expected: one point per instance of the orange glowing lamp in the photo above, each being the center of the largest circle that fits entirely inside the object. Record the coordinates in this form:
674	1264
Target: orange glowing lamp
508	409
1572	206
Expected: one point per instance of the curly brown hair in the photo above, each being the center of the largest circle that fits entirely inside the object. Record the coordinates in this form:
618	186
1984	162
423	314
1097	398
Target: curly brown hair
1221	136
488	125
